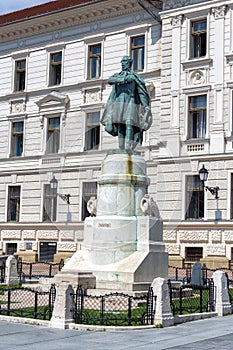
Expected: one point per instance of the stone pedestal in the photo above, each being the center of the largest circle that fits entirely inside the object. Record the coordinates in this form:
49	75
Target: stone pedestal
222	303
12	277
122	248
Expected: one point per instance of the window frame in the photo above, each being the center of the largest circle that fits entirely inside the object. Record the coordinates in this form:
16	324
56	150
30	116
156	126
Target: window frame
52	65
52	203
188	199
17	75
86	128
198	109
190	53
12	137
48	118
136	48
8	206
94	56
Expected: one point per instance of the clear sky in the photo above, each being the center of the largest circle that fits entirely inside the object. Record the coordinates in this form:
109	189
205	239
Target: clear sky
14	5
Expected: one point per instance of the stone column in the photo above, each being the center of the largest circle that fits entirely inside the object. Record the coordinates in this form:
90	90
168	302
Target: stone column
11	277
222	304
63	307
163	314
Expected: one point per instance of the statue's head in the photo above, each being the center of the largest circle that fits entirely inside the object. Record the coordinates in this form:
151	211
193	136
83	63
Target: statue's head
126	62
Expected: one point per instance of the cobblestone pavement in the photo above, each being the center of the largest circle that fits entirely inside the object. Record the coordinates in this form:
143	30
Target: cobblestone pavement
214	333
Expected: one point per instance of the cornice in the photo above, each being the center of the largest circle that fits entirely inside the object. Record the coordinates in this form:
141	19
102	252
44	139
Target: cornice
66	19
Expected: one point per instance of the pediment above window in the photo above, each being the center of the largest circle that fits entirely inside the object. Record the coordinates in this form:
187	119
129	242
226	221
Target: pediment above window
54	98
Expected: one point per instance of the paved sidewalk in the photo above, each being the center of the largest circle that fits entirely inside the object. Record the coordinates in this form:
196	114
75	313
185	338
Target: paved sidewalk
214	333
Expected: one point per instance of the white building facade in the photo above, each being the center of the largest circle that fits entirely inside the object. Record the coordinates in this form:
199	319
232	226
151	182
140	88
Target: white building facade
54	67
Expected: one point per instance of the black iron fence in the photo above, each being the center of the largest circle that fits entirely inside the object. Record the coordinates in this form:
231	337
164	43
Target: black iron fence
187	298
35	270
116	309
27	302
184	274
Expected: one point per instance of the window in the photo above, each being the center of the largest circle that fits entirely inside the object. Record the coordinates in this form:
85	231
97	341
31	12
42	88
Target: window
197	117
138	52
17	139
89	190
20	75
53	136
49	204
194	198
94	61
55	68
198	38
13	203
92	131
193	253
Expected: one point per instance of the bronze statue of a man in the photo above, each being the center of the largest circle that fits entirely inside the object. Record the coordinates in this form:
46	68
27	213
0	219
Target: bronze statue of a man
127	113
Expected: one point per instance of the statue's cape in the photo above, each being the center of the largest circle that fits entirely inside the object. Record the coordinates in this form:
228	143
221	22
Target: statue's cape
145	116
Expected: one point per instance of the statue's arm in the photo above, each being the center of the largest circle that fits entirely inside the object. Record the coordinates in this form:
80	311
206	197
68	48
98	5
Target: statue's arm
116	79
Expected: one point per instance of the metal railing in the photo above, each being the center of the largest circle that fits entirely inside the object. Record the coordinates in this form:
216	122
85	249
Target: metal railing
116	309
27	302
36	270
187	298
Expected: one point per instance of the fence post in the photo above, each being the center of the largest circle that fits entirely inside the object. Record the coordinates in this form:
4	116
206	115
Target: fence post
30	271
63	307
222	304
163	314
36	304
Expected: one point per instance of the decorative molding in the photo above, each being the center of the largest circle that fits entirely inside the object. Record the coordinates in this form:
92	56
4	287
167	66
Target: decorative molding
29	234
172	249
47	234
216	236
169	236
216	250
91	96
57	22
195	236
11	234
66	247
176	21
219	12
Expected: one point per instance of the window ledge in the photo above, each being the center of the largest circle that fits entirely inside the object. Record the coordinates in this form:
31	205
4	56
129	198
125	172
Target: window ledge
197	62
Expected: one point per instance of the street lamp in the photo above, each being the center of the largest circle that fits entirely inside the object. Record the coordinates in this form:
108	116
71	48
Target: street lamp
53	185
203	174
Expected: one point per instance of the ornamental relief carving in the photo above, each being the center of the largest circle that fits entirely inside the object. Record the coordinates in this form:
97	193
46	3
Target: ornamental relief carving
10	234
176	21
66	247
228	236
197	77
17	107
219	12
29	234
66	235
216	249
173	249
92	96
47	234
197	236
169	236
216	236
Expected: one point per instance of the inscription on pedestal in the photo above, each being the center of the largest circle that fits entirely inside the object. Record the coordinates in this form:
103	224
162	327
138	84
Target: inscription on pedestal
104	225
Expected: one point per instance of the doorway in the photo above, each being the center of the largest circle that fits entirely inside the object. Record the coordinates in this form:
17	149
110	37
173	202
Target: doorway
47	251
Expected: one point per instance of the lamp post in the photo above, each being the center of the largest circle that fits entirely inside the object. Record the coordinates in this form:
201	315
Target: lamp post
203	174
53	185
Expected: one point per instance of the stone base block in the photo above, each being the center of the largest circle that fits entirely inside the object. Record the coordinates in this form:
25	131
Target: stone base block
176	261
62	255
134	273
27	256
164	321
76	278
215	262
